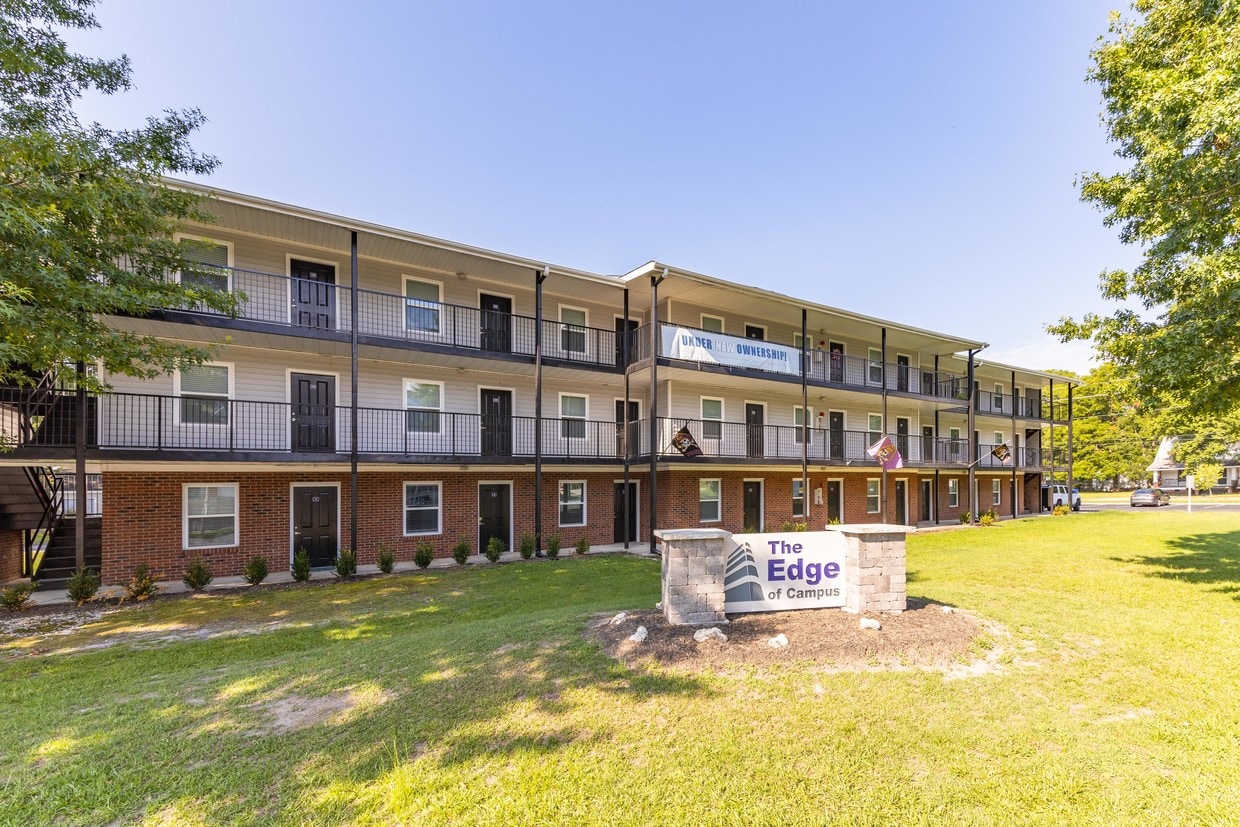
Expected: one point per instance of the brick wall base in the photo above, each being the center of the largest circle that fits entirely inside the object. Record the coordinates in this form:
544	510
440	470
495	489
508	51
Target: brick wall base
10	555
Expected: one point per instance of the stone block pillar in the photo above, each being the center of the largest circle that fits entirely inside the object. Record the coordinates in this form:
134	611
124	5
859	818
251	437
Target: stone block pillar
874	568
694	561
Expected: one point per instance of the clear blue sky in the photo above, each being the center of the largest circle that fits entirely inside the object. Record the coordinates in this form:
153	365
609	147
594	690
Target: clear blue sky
910	160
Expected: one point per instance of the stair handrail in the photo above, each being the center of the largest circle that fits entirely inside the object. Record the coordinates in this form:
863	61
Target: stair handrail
38	402
52	491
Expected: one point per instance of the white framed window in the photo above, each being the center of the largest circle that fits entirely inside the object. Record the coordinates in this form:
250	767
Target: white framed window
797	339
953	436
798	419
573	324
876	428
953	493
871	496
712	323
423	303
712	418
996	494
998	396
798	498
874	366
204	391
209	515
572	502
709	509
423	508
998	438
209	263
423	404
573	410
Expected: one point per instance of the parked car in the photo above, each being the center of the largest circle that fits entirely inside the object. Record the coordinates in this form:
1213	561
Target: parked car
1059	496
1149	496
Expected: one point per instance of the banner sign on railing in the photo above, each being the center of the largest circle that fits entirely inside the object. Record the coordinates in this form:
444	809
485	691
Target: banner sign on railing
778	572
703	346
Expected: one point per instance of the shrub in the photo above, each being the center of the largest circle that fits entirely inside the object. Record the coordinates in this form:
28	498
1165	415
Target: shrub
786	526
142	585
197	575
346	562
423	554
255	571
1061	511
495	547
385	557
987	518
461	551
800	526
966	517
83	584
833	521
301	566
583	546
553	546
528	546
15	597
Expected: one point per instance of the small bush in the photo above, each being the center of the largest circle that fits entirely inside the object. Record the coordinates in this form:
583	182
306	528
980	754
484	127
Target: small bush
197	575
423	554
346	562
495	547
583	546
833	521
1061	511
255	571
301	566
987	519
786	526
553	546
385	558
142	585
800	526
83	584
461	551
14	598
966	517
528	546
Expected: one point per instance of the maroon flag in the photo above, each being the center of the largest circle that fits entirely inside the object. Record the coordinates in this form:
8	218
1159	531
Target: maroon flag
885	452
684	442
1001	452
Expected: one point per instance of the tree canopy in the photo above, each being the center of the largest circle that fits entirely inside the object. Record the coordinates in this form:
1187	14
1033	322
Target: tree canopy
1168	77
86	221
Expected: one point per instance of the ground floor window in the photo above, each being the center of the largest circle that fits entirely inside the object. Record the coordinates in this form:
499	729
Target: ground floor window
953	493
708	501
798	498
871	496
210	519
422	508
572	503
996	496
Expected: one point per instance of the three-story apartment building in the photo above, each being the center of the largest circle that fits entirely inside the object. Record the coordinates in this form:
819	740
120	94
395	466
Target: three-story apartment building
378	386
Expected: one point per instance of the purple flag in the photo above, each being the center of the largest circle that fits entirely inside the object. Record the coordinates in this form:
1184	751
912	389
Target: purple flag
886	454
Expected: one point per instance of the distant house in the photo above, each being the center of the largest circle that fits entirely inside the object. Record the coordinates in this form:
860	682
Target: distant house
1167	472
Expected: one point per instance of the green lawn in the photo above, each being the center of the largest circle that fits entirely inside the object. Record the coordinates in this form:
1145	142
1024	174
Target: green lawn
470	697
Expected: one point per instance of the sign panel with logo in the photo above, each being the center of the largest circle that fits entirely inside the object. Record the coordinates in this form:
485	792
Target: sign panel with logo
732	351
779	572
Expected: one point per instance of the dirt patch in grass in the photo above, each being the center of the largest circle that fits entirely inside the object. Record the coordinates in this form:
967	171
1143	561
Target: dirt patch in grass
300	711
926	636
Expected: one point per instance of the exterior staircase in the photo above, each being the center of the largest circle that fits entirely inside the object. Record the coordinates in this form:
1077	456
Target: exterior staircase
59	558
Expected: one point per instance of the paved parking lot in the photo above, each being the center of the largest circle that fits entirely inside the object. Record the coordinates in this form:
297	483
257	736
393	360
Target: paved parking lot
1177	504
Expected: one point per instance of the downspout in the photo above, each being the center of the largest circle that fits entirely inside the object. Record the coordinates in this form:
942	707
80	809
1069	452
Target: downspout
655	281
79	472
539	277
972	426
883	373
1069	445
625	352
353	302
804	419
1015	446
1049	450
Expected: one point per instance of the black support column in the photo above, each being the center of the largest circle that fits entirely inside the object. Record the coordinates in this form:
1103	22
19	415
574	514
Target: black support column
353	393
626	345
885	430
653	493
804	417
79	470
539	277
972	426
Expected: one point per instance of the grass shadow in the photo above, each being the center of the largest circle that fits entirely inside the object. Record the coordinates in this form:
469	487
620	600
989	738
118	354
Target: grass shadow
1201	559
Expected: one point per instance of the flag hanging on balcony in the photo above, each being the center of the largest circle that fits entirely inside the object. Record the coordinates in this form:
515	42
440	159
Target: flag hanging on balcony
886	453
1001	452
684	442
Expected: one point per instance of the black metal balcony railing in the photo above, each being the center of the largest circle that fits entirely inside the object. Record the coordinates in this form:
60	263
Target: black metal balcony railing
300	303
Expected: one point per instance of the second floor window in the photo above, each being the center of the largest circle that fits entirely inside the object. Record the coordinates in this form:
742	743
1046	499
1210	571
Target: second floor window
798	419
572	417
206	267
712	418
422	306
423	403
874	367
572	330
204	395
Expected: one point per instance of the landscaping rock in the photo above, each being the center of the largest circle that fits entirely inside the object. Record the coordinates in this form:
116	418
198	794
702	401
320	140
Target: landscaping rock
778	642
703	635
870	623
618	619
639	635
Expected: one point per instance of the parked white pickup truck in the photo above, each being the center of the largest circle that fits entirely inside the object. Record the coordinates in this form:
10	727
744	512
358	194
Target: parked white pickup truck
1059	496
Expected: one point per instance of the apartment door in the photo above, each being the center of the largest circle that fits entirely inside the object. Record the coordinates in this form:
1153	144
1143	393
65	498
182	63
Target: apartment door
901	502
626	330
313	411
752	505
902	373
835	433
494	514
755	430
835	501
927	443
314	294
837	361
316	528
927	500
902	436
621	440
618	533
496	421
496	312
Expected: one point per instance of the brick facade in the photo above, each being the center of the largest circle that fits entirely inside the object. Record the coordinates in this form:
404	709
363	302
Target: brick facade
10	555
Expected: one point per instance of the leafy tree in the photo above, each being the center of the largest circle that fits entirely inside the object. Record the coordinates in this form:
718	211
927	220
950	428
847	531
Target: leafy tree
1206	475
86	219
1168	80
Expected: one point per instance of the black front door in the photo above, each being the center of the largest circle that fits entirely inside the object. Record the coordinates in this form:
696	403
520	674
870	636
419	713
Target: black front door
901	502
618	526
902	436
314	294
496	323
313	411
626	330
835	501
927	444
752	503
755	431
621	441
927	500
902	373
493	515
835	430
837	361
314	523
496	423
